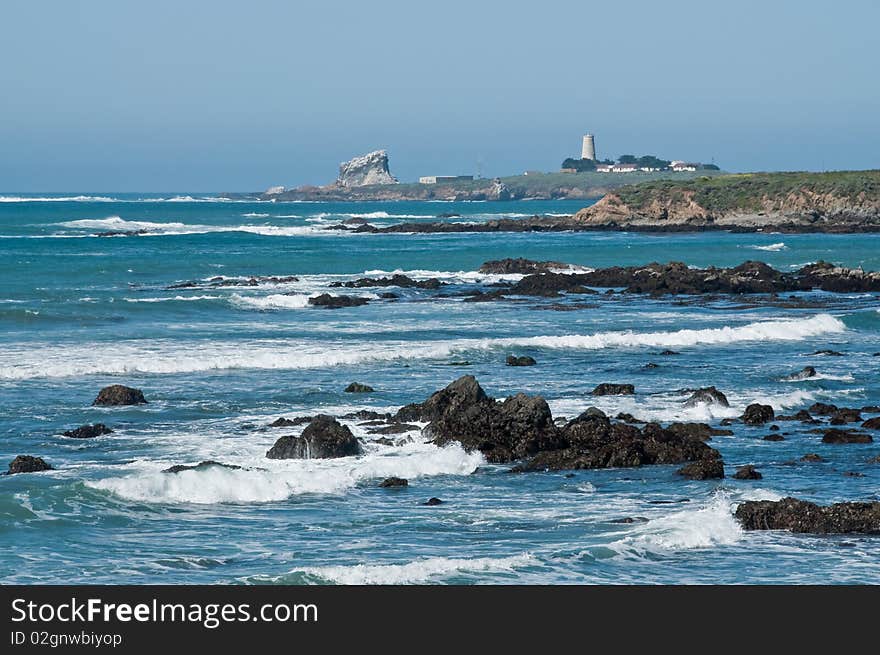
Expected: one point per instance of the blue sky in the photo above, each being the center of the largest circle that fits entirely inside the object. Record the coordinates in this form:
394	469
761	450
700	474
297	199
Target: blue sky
212	96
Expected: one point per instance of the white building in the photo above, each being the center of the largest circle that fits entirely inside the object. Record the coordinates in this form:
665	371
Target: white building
678	166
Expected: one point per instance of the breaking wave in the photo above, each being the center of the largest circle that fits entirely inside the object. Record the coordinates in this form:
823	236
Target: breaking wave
117	224
773	247
418	572
288	478
160	356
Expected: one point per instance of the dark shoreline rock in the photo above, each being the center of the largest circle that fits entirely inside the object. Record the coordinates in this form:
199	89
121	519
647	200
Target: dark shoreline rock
396	280
708	395
611	389
326	301
805	517
201	466
747	472
523	360
357	387
392	483
119	394
323	438
88	431
27	464
757	414
704	469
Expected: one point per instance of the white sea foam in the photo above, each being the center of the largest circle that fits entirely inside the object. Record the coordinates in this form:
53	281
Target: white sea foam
773	247
274	301
161	356
277	480
116	223
709	525
255	215
417	572
169	298
56	199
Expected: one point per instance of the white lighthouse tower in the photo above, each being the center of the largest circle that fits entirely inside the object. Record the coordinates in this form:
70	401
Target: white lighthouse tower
588	150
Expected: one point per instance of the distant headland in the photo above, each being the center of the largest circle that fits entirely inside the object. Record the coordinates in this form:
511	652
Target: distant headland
368	177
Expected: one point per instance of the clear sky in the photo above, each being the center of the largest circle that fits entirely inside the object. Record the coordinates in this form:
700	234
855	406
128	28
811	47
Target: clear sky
239	95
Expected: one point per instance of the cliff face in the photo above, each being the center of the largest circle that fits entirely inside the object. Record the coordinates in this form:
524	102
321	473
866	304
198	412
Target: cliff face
366	170
848	201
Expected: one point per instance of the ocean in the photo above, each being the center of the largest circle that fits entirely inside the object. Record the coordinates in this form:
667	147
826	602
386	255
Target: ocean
222	357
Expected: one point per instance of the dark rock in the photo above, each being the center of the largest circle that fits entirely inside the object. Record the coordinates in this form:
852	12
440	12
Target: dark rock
651	365
394	428
803	374
27	464
519	266
699	431
388	295
708	395
326	301
845	415
872	423
88	431
201	466
118	394
871	409
479	296
548	285
774	437
394	482
366	415
822	409
611	389
396	280
357	387
667	353
845	436
812	457
828	353
431	502
774	428
324	437
284	422
448	215
853	474
747	472
629	418
523	360
757	414
806	517
706	469
461	363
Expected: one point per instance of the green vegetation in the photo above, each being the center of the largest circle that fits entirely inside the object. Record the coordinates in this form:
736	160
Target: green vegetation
746	191
590	183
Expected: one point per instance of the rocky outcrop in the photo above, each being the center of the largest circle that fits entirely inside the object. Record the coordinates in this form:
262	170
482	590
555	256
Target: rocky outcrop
836	436
747	472
612	389
285	422
708	396
700	431
326	301
705	469
357	387
118	394
396	280
757	414
804	374
88	431
519	266
201	466
393	482
366	170
523	360
27	464
805	517
324	437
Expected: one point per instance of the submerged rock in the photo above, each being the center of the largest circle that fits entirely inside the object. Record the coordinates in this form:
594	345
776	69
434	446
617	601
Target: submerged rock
201	466
396	280
357	387
523	360
611	389
324	437
88	431
326	301
119	394
27	464
872	423
431	502
394	482
804	374
845	415
806	517
822	409
812	457
747	472
845	436
519	266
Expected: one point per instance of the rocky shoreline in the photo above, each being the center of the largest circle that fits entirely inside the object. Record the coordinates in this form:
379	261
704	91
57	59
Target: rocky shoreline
521	432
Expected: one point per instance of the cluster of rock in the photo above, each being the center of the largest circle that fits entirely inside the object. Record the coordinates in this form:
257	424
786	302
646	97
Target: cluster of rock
656	279
806	517
396	280
220	281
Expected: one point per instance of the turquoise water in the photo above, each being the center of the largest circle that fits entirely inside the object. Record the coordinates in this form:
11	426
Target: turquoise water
78	312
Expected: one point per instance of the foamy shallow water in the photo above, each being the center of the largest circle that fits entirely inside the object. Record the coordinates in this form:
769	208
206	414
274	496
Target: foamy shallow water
218	363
